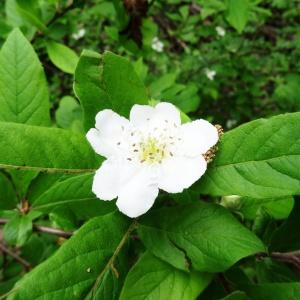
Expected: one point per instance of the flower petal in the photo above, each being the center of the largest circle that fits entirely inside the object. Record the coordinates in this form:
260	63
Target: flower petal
100	146
110	124
139	114
108	134
138	195
106	182
169	112
111	176
179	172
198	137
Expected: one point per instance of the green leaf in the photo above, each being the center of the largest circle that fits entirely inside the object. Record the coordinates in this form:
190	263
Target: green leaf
88	87
29	10
62	217
260	159
12	15
287	93
278	208
85	266
283	291
76	194
22	180
24	94
69	114
161	84
151	278
237	295
18	230
287	237
8	197
62	56
268	270
36	148
237	13
207	235
122	84
115	86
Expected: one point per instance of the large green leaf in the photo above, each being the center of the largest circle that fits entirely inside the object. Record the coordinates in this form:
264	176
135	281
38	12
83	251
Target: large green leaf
36	148
260	159
122	84
91	263
205	234
75	194
151	278
62	56
272	291
114	85
88	87
23	89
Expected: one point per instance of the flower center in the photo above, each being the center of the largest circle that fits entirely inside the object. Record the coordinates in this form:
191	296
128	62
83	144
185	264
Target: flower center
152	151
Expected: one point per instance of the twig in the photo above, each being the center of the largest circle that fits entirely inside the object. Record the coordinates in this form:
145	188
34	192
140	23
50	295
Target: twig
53	231
54	19
164	25
45	229
61	14
21	260
224	283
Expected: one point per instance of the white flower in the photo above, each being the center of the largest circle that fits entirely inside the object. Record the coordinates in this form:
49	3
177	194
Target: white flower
148	152
220	31
157	45
79	34
210	74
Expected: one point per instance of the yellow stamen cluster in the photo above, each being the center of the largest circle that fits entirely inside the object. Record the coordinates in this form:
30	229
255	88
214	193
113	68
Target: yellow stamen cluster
152	151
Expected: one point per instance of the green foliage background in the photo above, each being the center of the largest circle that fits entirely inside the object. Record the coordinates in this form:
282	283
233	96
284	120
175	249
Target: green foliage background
234	234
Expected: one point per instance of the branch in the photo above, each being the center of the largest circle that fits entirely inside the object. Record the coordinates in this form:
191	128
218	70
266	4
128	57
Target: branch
21	260
45	229
288	257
